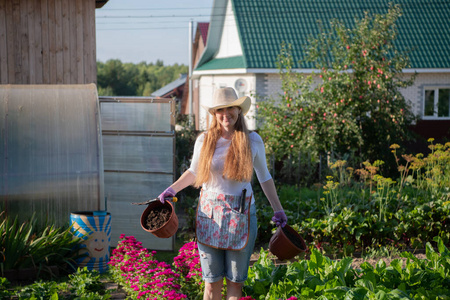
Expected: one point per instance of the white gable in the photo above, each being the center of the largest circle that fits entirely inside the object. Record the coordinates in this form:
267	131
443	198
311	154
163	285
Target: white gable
230	44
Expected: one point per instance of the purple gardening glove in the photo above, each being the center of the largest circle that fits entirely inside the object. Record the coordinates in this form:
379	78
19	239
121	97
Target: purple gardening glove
279	218
169	192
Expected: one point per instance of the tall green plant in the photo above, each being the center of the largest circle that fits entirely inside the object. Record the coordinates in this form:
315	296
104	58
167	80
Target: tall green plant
27	245
355	106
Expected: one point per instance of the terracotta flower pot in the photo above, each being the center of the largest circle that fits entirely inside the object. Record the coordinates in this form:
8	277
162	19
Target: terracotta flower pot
286	243
169	228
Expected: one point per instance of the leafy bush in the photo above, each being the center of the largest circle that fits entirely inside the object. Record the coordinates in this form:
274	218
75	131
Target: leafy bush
322	278
356	209
353	105
26	245
87	283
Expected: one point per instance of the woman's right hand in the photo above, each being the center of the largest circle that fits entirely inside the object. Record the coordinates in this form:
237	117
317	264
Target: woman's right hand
168	193
279	218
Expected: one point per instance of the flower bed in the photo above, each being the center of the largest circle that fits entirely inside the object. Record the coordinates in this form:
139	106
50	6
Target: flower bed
317	278
142	277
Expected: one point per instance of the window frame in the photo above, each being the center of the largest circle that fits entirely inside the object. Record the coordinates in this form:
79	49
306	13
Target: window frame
436	89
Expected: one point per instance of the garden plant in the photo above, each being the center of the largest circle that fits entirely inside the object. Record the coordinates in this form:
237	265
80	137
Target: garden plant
373	194
351	107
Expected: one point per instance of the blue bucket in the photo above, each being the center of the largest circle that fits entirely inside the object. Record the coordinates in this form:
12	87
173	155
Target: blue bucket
94	228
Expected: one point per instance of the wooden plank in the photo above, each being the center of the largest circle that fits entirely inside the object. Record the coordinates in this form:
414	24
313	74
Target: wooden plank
66	41
3	47
52	41
38	42
31	41
73	42
18	70
25	43
79	38
87	76
10	43
93	45
45	43
59	47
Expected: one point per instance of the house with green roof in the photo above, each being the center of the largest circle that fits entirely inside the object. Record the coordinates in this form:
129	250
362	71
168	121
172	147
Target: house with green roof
245	37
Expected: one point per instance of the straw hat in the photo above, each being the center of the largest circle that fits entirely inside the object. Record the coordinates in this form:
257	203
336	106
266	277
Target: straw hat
227	97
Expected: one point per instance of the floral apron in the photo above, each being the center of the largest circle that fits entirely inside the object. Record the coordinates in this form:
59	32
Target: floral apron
220	224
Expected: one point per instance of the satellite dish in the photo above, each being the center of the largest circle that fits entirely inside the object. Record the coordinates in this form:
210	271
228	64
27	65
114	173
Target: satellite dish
240	85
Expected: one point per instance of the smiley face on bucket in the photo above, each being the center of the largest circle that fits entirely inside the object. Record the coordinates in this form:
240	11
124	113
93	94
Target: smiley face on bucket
97	244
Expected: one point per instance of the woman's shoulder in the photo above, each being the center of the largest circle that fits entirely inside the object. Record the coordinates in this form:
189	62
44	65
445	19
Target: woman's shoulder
200	139
201	136
255	137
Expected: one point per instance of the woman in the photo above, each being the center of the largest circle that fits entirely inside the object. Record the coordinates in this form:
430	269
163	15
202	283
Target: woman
222	164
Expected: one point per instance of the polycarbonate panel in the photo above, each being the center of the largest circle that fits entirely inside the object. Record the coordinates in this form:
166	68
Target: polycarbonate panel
138	148
135	116
138	153
51	150
121	189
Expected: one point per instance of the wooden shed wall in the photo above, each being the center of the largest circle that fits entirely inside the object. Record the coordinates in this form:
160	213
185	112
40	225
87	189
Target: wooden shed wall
47	42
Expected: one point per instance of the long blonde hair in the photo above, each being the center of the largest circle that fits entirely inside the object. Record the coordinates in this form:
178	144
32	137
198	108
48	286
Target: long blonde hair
238	162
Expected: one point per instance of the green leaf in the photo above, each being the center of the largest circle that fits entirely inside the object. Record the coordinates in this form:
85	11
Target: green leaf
278	274
380	267
397	264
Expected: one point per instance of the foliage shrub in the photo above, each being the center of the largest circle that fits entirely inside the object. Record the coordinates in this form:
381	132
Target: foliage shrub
323	278
351	108
27	245
115	78
355	209
83	284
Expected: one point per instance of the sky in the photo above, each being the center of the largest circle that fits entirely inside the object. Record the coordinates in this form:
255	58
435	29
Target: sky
148	30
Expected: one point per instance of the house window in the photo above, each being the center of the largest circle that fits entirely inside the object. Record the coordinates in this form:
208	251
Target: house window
436	103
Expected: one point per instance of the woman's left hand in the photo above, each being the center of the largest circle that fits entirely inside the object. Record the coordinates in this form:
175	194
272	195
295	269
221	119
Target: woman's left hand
279	218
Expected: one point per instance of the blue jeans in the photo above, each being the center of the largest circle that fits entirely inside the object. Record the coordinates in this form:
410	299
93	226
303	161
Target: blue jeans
217	264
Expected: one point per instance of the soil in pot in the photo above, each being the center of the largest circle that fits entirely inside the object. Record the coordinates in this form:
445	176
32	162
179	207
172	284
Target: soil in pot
294	239
158	217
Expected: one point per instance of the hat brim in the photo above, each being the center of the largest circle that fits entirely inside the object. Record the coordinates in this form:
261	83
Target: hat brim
244	103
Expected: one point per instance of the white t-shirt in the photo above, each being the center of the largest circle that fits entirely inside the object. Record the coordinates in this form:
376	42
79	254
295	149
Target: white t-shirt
217	183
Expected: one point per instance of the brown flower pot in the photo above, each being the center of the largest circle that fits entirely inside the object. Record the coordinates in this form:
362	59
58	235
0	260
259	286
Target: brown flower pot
169	227
286	243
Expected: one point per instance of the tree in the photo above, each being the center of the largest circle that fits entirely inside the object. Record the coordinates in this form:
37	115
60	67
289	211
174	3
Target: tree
352	105
115	78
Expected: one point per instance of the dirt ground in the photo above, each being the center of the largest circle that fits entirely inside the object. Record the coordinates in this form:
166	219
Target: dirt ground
356	262
373	261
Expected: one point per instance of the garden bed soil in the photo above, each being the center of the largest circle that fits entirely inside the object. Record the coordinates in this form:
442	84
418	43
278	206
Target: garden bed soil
157	218
356	261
